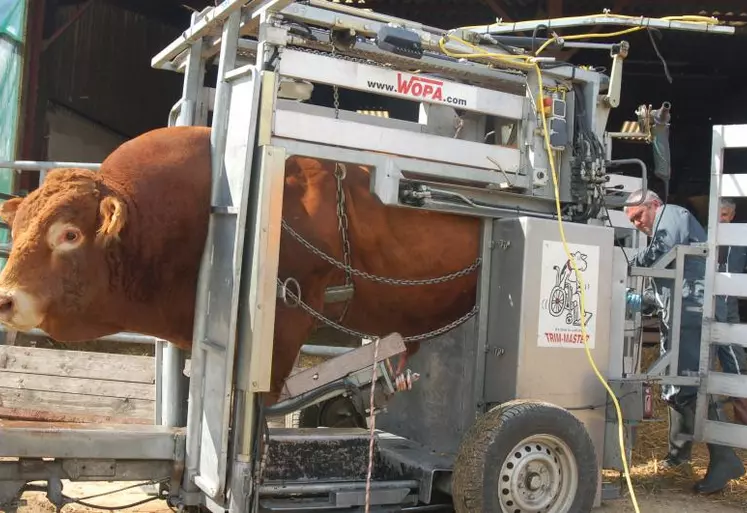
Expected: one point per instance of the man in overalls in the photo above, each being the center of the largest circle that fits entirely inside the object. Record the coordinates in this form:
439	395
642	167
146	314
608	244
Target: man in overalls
668	226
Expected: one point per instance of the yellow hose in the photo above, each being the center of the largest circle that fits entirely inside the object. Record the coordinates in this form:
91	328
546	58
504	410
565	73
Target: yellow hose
686	18
591	35
529	62
620	431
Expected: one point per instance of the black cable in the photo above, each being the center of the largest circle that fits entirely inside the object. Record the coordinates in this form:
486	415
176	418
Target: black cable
658	54
104	494
597	406
534	36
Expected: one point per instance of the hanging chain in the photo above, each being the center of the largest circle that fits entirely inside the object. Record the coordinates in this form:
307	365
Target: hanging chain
335	89
359	334
379	279
342	226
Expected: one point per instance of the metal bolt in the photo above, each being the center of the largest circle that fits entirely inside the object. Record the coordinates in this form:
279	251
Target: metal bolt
534	482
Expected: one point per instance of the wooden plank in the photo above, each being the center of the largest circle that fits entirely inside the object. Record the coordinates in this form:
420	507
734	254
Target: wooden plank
20	414
78	364
82	386
76	404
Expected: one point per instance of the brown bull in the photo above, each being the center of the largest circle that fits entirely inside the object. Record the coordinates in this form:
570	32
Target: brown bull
119	250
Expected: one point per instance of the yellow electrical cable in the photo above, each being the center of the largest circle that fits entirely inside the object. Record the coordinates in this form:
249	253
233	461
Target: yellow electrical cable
531	62
689	18
686	18
582	303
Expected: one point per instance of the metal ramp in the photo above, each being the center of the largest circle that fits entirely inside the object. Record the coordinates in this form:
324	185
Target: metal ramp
722	284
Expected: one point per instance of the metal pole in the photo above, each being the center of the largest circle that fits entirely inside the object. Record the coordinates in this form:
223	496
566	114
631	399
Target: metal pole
174	386
123	337
38	165
314	350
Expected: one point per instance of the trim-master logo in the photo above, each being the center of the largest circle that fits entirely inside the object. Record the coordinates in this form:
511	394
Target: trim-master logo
422	88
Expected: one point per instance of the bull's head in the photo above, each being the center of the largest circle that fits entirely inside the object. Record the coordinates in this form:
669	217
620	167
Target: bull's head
57	268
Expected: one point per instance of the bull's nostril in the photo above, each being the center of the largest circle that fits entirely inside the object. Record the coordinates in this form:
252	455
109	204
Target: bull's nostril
6	305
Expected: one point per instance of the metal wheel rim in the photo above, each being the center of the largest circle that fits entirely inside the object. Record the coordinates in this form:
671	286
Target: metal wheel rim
539	475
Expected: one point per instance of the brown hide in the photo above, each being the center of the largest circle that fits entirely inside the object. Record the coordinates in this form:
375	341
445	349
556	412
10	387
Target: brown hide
164	178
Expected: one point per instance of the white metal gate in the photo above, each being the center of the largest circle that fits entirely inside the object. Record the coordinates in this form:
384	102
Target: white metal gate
722	284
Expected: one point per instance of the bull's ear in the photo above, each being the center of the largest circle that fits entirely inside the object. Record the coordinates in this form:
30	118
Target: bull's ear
8	209
113	213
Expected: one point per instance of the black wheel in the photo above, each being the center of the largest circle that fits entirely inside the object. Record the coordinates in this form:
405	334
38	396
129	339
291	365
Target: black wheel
525	457
338	412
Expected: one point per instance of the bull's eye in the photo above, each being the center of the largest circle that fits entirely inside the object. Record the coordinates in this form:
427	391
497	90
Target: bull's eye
71	236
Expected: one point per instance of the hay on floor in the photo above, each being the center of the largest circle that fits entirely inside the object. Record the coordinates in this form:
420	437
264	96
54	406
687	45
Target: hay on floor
651	447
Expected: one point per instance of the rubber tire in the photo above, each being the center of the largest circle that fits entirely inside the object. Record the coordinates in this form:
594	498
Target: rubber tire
310	417
487	444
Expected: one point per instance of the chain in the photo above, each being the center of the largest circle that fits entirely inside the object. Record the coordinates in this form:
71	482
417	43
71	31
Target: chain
358	334
342	226
373	277
335	93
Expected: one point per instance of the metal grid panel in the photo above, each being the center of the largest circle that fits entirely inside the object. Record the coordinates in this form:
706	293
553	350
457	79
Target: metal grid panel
717	283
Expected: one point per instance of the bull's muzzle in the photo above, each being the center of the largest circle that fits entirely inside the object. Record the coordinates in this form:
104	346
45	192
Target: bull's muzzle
19	310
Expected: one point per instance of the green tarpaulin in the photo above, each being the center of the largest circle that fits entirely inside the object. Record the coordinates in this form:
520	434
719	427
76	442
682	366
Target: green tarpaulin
12	22
12	15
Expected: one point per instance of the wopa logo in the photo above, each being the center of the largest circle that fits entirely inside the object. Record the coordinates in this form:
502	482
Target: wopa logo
422	87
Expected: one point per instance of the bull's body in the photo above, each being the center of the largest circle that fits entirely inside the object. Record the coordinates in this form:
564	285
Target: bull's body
143	222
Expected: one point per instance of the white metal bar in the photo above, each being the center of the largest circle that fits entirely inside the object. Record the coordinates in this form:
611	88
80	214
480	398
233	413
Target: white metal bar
208	395
732	234
721	383
306	127
729	333
123	337
629	183
38	165
383	18
604	19
730	284
711	285
397	84
212	19
732	136
265	262
733	186
329	112
131	441
724	433
159	417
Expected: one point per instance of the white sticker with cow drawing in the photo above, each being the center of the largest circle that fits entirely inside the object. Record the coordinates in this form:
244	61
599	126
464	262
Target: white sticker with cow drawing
560	295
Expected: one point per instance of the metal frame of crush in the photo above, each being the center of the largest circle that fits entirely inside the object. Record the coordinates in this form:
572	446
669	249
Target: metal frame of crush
265	72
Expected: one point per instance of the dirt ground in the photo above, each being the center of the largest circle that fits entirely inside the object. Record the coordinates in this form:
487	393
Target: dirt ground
665	501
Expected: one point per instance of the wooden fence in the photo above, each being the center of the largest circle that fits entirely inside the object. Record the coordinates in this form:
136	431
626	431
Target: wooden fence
76	386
